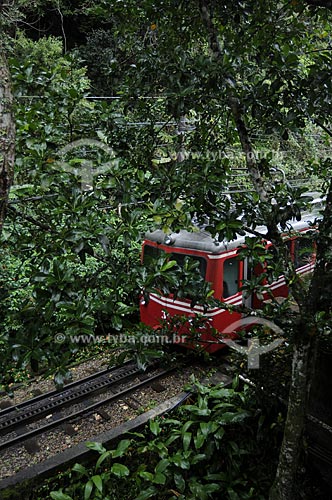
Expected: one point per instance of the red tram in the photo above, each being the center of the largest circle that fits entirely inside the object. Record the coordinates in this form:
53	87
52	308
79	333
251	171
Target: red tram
220	265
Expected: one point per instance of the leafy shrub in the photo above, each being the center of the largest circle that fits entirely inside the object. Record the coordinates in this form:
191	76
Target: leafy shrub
211	448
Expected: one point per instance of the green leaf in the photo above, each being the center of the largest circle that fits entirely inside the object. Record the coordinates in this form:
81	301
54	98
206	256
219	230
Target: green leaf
155	427
222	476
102	136
88	490
211	488
80	468
202	412
179	482
198	490
232	494
208	427
171	439
121	448
186	440
116	322
136	434
159	478
148	476
59	379
220	393
119	470
98	482
103	457
168	265
58	495
205	428
186	426
199	440
198	458
145	494
162	465
95	446
219	434
234	446
180	461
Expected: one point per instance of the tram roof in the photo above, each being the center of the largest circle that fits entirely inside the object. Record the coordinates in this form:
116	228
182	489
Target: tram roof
203	241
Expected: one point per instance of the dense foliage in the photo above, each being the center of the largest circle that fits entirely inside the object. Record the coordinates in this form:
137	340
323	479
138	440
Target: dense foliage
209	448
147	116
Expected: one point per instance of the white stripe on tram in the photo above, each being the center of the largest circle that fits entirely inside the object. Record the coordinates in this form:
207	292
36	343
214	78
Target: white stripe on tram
184	307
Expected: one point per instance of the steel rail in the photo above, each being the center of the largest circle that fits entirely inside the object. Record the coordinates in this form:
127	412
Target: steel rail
45	403
117	392
48	394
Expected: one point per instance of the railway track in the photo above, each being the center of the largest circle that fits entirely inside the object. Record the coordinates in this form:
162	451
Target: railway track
36	416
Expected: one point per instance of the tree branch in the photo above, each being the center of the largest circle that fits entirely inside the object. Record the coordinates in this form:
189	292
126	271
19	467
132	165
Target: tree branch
33	221
322	126
248	150
255	233
320	3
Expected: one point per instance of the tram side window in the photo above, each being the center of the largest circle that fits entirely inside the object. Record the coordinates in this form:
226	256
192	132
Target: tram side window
231	277
303	252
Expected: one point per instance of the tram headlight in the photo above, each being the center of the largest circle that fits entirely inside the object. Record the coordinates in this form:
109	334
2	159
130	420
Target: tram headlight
168	240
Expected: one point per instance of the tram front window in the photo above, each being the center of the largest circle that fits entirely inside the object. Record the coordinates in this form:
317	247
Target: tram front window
230	277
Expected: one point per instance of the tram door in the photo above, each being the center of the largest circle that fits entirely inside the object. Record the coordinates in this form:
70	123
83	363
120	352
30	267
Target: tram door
247	274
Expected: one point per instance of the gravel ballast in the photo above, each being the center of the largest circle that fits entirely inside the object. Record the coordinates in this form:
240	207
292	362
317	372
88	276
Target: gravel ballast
19	457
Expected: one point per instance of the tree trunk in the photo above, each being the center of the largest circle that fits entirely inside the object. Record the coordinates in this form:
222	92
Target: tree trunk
7	136
284	486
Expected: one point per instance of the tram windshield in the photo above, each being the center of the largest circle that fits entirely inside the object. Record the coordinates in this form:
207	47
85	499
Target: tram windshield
152	253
